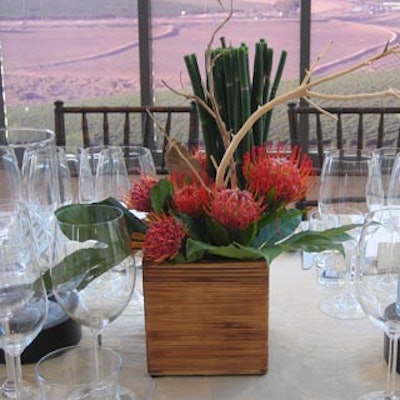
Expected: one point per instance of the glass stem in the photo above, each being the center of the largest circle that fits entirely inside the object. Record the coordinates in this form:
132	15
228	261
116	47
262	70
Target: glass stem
96	348
392	368
15	371
8	387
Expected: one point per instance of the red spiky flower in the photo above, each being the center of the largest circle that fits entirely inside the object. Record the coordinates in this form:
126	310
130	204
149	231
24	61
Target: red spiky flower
138	198
191	192
163	238
281	176
235	209
191	200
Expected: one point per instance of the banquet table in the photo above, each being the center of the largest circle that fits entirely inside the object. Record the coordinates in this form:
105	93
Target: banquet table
311	356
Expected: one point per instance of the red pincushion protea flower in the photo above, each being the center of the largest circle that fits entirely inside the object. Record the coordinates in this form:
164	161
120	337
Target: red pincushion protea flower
163	238
235	209
279	176
191	200
138	197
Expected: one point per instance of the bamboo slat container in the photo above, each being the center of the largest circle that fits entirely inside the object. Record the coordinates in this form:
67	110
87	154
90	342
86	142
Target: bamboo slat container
207	318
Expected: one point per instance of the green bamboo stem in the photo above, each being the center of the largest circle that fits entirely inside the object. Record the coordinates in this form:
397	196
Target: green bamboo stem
212	140
245	98
274	90
235	95
257	91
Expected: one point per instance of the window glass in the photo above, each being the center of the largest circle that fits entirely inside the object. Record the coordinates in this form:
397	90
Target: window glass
344	33
81	52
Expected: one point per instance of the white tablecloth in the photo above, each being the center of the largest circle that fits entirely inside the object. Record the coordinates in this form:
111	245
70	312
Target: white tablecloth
311	356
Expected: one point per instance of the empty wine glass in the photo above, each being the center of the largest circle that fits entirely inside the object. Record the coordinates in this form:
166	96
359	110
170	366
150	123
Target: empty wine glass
349	180
119	169
393	196
377	286
93	272
23	297
387	160
36	184
111	174
75	177
14	144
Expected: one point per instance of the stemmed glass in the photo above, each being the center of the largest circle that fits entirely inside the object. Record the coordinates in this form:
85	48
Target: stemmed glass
37	184
23	297
393	195
75	177
118	170
389	166
377	286
350	181
93	272
16	143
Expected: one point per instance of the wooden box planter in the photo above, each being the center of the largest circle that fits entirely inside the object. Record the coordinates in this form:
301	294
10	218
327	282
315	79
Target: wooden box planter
207	318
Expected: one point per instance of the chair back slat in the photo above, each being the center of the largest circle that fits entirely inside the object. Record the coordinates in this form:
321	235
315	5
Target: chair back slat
381	130
360	131
339	132
127	129
319	138
106	129
85	130
167	136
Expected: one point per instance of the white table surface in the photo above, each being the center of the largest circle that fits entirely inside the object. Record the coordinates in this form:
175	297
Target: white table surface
311	356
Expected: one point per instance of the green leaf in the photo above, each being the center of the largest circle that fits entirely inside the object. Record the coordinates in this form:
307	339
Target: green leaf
313	241
278	228
111	242
195	248
85	265
216	233
133	223
160	194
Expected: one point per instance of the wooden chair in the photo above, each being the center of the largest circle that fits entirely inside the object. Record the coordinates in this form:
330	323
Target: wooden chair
346	127
149	126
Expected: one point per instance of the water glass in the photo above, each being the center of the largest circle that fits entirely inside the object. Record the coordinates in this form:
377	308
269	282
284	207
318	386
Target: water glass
69	373
329	264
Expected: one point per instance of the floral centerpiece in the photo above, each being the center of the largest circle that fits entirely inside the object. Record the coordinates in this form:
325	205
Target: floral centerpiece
220	217
191	218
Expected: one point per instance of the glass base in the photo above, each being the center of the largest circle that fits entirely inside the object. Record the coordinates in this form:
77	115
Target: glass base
380	395
127	394
341	306
28	392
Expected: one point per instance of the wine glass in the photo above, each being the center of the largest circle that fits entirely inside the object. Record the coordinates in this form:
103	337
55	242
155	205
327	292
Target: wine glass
377	285
37	184
14	144
23	297
93	272
387	157
111	174
75	177
350	180
393	196
119	169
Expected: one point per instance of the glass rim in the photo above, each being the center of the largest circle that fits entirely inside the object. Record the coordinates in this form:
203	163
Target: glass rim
48	138
78	349
114	215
